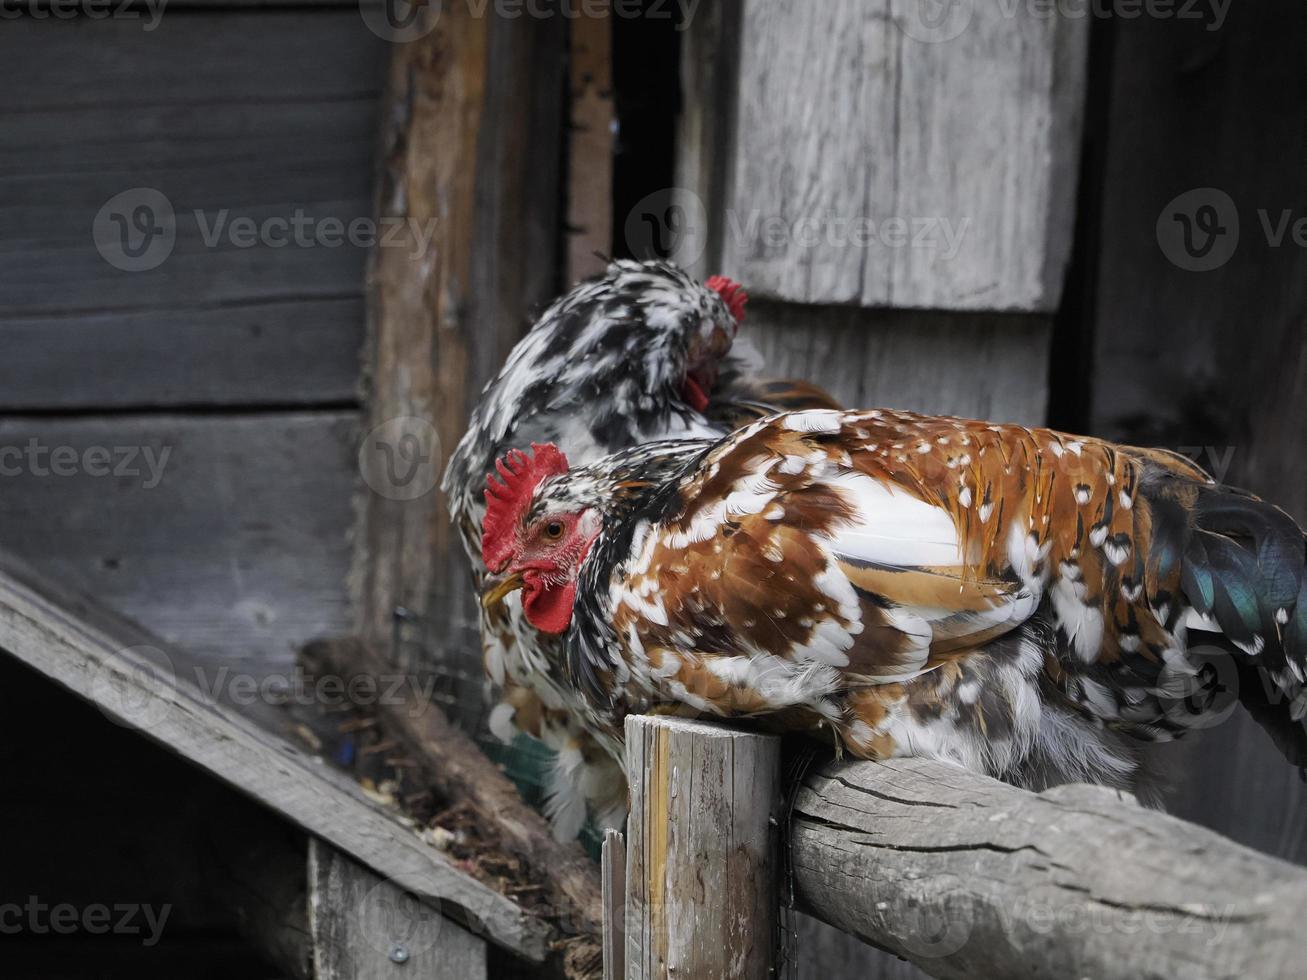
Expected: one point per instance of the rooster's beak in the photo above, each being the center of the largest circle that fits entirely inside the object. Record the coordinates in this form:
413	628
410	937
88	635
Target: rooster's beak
492	598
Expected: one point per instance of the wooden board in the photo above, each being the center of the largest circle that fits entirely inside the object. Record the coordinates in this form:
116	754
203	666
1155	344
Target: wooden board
1194	359
612	876
234	544
260	116
293	352
846	116
473	140
365	927
140	681
977	366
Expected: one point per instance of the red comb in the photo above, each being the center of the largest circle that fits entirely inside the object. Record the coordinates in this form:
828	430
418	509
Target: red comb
506	501
732	292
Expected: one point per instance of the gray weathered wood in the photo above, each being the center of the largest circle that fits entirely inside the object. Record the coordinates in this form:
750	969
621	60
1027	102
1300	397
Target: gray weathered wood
845	115
823	952
258	115
366	927
701	873
239	551
137	680
967	877
287	353
613	879
991	366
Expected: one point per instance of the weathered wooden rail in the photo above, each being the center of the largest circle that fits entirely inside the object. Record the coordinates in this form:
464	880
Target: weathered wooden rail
962	875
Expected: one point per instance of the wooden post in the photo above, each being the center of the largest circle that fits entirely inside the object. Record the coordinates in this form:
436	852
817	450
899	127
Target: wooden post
701	872
613	876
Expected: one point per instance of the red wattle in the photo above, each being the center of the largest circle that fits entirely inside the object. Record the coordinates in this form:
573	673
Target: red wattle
550	610
694	394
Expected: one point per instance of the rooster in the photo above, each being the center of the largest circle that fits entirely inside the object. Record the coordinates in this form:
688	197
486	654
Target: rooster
1018	601
643	352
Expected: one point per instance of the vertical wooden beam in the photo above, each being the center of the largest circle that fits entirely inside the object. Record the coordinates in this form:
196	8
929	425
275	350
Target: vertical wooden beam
705	133
701	875
613	878
590	153
365	927
469	157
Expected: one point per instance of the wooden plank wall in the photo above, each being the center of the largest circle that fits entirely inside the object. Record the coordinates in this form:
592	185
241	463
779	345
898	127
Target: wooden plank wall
843	113
1217	358
240	362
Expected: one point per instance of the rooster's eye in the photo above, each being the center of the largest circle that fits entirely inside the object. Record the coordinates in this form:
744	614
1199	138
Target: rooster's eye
554	530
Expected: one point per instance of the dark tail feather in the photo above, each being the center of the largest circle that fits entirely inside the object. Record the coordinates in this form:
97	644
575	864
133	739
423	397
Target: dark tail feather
1245	566
737	401
1267	704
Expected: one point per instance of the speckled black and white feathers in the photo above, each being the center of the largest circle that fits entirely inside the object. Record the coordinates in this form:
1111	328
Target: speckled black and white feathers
601	370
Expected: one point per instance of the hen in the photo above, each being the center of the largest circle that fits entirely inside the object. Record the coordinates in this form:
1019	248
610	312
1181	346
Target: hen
643	352
1018	601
